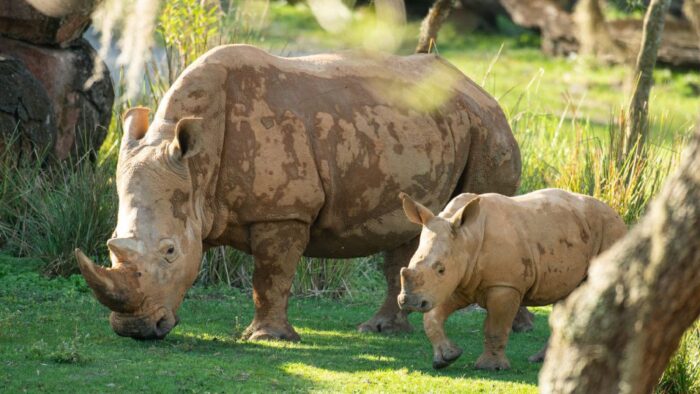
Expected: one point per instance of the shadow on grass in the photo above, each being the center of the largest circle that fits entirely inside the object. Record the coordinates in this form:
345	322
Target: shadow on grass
331	349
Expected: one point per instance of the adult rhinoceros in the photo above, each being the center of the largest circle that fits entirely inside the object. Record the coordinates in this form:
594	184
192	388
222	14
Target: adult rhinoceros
286	157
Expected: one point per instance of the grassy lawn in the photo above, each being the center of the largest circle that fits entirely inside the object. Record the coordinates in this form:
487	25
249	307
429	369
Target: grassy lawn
55	337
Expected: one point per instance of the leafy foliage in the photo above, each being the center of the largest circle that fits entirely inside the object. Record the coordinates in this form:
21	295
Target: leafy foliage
188	28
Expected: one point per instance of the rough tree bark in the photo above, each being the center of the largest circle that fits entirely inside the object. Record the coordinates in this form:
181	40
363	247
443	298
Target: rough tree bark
616	333
431	24
637	114
593	34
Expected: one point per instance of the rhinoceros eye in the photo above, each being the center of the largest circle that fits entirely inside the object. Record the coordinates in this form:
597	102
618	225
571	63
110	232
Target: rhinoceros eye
439	268
167	248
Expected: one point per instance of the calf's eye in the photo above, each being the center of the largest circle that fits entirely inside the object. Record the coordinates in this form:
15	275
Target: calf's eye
439	268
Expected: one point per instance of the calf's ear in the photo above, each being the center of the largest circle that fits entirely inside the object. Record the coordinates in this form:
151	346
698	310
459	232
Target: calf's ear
415	212
188	138
467	212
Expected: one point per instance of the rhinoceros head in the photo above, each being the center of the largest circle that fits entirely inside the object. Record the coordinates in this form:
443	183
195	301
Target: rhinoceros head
156	248
441	260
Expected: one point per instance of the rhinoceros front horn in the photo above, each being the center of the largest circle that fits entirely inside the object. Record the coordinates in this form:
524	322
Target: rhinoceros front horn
115	288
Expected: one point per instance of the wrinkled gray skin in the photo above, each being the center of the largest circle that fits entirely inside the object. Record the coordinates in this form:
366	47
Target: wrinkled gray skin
288	157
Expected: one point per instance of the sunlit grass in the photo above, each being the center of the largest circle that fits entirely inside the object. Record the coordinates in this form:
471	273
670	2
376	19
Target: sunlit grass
382	379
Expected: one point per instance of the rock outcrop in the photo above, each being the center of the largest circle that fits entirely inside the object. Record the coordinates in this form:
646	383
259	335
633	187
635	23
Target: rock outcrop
46	102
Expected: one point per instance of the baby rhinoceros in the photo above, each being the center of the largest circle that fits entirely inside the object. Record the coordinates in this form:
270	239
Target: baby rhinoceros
500	252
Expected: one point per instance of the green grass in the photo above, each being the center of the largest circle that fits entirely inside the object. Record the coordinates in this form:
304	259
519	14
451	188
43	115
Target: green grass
54	335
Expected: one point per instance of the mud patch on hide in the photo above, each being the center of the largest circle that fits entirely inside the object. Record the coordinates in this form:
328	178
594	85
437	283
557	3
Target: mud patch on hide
584	235
178	201
541	249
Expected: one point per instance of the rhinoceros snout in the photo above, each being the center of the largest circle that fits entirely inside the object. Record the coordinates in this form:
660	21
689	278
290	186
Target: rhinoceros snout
144	327
413	302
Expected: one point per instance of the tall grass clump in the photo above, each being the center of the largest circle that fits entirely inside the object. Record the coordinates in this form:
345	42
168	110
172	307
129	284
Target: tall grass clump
579	156
682	375
47	212
314	277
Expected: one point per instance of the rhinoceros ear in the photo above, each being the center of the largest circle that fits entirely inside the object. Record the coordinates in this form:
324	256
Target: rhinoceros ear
188	138
135	122
415	212
469	211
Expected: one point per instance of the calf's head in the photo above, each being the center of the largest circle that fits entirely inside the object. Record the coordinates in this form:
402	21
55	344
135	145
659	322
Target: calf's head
443	255
156	248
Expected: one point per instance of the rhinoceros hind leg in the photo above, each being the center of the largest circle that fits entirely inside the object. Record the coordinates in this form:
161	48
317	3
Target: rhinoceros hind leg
390	318
524	320
277	248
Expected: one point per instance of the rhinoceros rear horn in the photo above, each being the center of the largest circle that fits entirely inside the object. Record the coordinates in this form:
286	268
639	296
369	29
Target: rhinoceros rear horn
115	288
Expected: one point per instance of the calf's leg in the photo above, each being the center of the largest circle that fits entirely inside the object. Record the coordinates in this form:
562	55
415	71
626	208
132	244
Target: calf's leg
502	304
445	352
277	248
389	317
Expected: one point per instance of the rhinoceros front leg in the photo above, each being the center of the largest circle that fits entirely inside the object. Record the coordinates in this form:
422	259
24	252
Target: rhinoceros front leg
390	318
445	352
277	248
502	304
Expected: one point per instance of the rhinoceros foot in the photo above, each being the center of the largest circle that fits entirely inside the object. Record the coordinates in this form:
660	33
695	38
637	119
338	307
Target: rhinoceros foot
445	355
492	362
524	320
539	356
257	332
386	324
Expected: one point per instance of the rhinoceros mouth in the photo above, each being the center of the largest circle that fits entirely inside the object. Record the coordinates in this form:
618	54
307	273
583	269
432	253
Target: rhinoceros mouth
154	326
414	303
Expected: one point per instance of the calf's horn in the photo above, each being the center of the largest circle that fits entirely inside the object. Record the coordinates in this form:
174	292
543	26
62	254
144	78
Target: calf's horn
115	288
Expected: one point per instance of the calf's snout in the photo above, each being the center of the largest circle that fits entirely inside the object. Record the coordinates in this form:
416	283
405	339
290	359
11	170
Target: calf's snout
413	302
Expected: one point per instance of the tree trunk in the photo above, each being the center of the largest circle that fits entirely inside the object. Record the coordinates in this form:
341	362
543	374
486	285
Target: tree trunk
616	333
593	34
637	114
431	24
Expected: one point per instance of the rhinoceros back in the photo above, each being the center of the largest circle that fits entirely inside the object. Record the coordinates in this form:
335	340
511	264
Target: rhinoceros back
332	139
